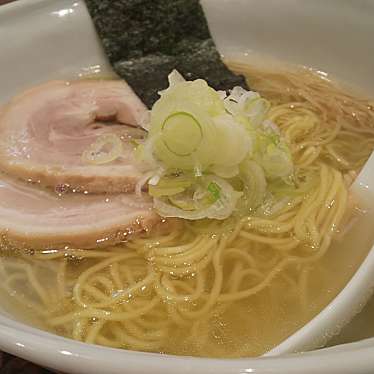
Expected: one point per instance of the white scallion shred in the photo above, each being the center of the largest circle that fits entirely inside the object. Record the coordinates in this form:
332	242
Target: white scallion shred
211	153
105	149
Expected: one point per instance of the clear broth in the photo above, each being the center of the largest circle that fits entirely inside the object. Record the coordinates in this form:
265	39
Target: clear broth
248	327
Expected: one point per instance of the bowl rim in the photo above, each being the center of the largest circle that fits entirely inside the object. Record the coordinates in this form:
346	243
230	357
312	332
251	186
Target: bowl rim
62	353
57	352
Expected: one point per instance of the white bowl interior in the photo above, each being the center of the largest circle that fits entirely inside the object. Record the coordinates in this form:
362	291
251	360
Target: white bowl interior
332	36
54	39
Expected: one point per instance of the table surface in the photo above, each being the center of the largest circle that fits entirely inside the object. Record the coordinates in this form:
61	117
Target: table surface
14	365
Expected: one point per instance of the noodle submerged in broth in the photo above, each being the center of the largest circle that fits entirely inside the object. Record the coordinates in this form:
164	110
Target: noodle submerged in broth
209	288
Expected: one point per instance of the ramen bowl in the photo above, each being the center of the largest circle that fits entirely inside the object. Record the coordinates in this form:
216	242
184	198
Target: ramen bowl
39	42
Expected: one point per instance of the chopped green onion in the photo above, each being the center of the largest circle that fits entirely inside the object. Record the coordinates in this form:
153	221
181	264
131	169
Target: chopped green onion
105	149
178	127
215	191
201	143
169	186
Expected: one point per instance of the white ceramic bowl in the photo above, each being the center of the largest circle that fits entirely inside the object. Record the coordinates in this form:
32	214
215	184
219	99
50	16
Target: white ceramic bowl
49	39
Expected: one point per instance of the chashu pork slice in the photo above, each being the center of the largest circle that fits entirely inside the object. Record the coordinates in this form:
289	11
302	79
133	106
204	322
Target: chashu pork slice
45	131
35	218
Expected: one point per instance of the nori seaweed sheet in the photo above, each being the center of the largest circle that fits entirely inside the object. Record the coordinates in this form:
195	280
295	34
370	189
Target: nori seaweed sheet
146	39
